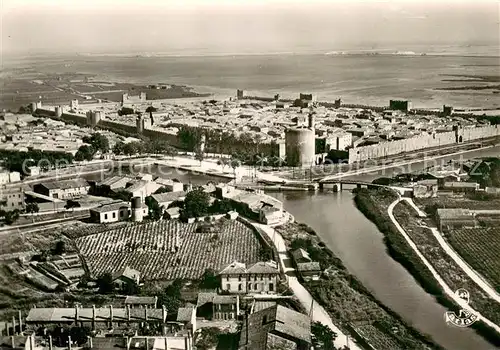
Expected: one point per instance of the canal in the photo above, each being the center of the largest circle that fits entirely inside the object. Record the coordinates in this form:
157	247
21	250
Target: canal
359	244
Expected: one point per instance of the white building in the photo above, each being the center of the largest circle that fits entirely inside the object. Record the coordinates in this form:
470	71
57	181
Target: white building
143	189
6	177
271	216
167	198
12	198
114	212
260	278
65	189
170	185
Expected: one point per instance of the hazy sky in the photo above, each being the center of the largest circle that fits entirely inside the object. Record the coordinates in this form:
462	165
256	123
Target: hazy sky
31	26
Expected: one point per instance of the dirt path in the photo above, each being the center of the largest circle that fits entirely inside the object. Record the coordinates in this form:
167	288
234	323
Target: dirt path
473	275
450	293
319	314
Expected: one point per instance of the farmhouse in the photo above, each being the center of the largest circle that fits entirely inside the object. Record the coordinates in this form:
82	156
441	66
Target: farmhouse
219	307
262	277
142	189
309	271
187	317
455	218
173	213
270	215
165	199
460	186
112	212
276	327
65	189
306	268
425	188
170	185
12	198
126	275
263	207
114	183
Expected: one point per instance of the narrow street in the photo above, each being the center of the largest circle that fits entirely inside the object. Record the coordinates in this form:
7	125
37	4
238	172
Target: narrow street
319	314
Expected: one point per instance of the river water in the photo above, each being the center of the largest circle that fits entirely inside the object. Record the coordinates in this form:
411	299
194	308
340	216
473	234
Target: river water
359	244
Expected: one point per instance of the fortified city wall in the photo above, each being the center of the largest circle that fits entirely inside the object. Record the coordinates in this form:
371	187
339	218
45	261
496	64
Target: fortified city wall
420	142
357	154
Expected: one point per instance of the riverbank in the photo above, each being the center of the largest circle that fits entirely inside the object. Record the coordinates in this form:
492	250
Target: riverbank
407	162
349	303
373	204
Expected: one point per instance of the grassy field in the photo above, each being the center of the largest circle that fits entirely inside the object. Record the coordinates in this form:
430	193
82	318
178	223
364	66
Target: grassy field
457	202
23	86
154	250
480	247
451	273
373	204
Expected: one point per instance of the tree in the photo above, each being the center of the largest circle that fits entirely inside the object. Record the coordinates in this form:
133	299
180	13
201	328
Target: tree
125	111
32	207
70	204
99	142
199	156
235	163
196	204
151	109
170	151
59	248
209	280
221	206
130	288
118	148
11	216
154	209
132	148
323	336
105	283
85	152
80	334
171	296
207	338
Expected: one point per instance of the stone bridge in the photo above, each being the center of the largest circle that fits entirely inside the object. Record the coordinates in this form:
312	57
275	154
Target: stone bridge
337	185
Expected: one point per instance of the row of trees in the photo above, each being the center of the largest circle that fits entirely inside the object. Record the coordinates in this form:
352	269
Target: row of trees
245	147
11	216
100	143
486	173
137	147
196	204
46	160
95	143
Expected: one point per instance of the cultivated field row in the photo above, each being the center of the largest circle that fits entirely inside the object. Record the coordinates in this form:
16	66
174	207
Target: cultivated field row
150	249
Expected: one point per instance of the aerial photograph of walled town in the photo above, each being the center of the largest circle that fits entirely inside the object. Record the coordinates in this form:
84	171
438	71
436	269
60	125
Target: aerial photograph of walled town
250	175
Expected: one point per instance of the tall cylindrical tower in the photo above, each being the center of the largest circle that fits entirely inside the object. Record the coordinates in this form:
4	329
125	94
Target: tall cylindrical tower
300	147
59	111
140	124
136	209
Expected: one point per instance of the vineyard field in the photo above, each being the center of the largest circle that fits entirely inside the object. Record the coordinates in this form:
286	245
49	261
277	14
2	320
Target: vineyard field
166	250
480	247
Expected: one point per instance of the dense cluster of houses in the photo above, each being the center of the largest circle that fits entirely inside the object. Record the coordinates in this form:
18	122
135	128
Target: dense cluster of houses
265	324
